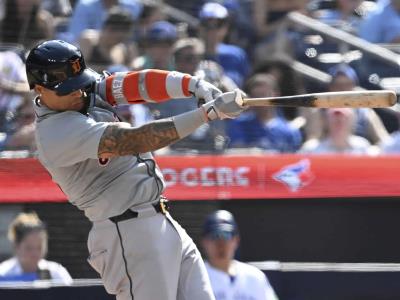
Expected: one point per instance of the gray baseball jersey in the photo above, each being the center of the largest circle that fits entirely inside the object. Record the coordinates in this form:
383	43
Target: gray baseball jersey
67	146
144	256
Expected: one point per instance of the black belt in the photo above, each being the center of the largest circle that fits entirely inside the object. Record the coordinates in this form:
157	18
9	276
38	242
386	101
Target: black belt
160	207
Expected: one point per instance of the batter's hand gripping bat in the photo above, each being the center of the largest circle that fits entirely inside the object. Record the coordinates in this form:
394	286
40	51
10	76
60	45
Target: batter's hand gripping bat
373	99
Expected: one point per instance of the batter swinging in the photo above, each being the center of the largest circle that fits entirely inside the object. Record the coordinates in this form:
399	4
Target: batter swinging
106	169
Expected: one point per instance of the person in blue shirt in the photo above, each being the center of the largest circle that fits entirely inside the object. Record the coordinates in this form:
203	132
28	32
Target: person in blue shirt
382	25
214	27
263	127
91	14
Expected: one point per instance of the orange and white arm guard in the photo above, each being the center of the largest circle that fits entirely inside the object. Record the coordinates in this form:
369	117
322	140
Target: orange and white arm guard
152	86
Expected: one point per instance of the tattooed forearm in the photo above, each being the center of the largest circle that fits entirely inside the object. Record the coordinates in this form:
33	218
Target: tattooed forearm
118	140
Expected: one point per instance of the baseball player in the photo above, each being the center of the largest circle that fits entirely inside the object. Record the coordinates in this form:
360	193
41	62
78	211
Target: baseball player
106	169
231	279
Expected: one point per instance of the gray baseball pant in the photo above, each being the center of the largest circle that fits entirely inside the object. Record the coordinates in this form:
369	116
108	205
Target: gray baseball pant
150	257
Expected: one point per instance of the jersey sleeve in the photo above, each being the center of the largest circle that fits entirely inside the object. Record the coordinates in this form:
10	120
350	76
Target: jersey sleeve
68	138
149	85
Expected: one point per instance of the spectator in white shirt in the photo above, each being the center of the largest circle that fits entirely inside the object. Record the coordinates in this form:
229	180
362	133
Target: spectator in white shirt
231	279
340	138
29	237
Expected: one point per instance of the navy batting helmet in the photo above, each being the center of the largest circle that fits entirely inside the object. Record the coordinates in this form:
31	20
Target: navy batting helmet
220	225
58	66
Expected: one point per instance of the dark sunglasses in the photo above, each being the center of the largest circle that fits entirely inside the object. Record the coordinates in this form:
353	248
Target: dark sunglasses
213	23
189	58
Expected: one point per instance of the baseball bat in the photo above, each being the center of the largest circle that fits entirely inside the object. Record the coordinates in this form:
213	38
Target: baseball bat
373	99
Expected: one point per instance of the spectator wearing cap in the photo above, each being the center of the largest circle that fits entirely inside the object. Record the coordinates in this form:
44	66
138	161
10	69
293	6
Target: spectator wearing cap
112	44
230	278
158	46
367	123
91	14
214	27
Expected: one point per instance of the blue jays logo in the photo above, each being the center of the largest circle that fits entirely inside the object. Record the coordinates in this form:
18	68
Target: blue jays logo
295	176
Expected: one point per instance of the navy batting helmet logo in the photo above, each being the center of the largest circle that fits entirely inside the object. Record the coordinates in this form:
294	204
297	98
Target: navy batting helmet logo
76	66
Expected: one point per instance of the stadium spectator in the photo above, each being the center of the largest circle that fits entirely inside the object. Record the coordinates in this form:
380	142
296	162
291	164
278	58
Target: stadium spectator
230	278
22	134
343	15
391	145
263	127
13	87
367	123
211	71
59	8
111	45
151	12
91	14
214	27
382	25
269	14
340	138
187	56
26	23
273	36
29	237
158	43
289	81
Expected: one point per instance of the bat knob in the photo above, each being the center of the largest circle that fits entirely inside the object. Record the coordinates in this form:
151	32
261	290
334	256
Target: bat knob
240	97
392	98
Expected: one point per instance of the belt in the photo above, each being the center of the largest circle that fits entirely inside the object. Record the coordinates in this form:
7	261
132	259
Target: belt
161	206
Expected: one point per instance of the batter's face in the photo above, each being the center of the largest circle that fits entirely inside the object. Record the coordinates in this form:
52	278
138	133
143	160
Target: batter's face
73	101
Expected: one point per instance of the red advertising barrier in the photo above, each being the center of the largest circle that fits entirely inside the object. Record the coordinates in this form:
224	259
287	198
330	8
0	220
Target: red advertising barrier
233	177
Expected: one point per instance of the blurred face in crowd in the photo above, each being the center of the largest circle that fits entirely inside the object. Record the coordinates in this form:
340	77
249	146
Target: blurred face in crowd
348	6
73	101
340	122
342	83
264	88
220	250
214	30
160	52
117	34
187	60
31	249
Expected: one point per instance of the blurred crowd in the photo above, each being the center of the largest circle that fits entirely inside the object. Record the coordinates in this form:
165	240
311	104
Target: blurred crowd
250	44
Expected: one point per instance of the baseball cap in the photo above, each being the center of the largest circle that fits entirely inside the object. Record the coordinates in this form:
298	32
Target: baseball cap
346	70
220	225
162	31
213	10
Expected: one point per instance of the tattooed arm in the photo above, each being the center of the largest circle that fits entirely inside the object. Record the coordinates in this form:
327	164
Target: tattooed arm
119	140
